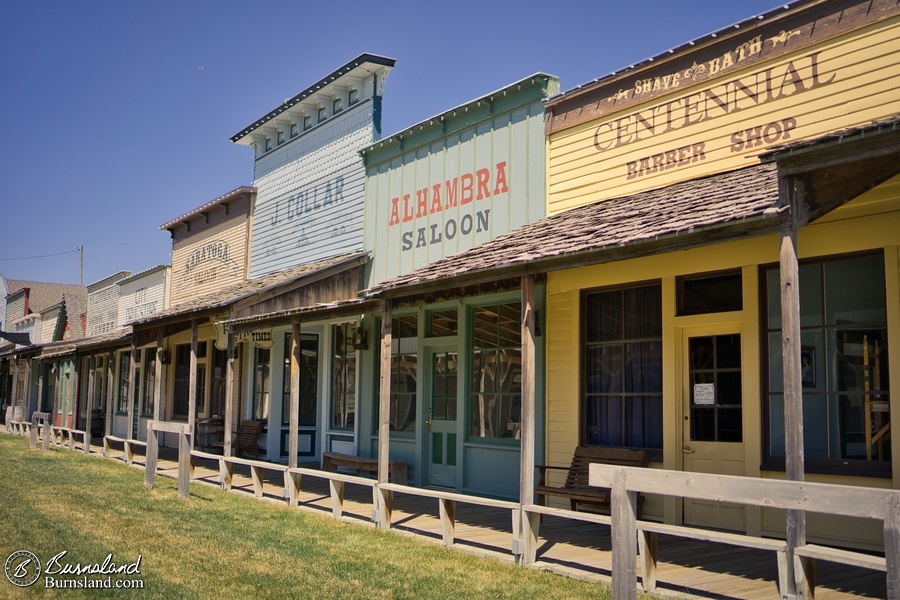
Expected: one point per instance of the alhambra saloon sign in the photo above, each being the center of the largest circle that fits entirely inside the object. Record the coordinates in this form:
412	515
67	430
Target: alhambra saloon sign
431	194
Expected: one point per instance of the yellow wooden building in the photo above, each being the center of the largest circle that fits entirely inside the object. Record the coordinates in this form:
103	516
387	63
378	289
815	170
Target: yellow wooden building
685	194
677	349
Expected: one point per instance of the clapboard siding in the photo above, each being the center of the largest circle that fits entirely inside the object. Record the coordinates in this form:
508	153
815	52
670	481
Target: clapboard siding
854	84
209	261
143	295
309	203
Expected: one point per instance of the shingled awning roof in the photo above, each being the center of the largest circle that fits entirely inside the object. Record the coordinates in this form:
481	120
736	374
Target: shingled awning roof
710	209
246	289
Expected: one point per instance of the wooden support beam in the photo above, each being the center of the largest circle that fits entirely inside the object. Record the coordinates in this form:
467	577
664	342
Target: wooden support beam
256	475
192	385
229	397
892	544
448	520
89	402
384	497
152	455
184	465
793	387
226	473
132	396
110	395
623	508
292	487
337	497
294	419
531	523
158	383
648	544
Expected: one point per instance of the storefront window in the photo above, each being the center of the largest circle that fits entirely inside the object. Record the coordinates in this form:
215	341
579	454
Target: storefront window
496	359
182	381
149	384
844	364
261	380
309	371
124	368
217	383
404	374
622	374
343	378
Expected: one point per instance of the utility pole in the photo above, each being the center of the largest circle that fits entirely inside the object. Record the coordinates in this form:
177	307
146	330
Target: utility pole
80	264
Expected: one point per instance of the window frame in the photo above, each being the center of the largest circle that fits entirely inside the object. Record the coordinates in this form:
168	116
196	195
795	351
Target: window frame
655	454
827	466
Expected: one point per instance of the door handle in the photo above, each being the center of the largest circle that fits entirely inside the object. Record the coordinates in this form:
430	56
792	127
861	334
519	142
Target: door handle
688	450
428	423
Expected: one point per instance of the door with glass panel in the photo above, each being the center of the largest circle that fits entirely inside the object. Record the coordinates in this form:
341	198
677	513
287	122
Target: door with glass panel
713	419
440	419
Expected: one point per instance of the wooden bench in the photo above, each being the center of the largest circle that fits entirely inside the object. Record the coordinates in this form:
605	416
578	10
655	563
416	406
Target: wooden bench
332	460
246	438
577	488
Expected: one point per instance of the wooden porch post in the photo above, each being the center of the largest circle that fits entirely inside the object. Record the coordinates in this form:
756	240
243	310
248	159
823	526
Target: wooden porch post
383	509
110	390
294	419
132	390
192	391
529	525
801	574
74	381
157	384
40	390
89	403
229	395
27	400
14	395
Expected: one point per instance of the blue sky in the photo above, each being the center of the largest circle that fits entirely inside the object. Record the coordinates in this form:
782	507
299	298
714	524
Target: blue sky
116	115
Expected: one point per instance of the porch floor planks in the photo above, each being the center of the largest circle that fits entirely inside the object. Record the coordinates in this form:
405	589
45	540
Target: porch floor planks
687	569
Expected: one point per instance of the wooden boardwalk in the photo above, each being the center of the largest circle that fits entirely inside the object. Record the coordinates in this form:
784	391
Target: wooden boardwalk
686	569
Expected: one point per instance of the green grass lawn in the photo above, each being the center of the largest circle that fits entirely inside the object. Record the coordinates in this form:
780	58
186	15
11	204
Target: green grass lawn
218	544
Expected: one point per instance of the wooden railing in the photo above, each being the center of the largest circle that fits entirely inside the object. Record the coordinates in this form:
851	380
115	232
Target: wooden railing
796	572
842	500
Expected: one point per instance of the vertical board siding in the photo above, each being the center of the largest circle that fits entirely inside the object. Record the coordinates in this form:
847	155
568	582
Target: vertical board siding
512	141
309	204
853	85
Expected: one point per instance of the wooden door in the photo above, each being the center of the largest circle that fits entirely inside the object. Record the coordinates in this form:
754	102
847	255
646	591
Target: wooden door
713	419
440	421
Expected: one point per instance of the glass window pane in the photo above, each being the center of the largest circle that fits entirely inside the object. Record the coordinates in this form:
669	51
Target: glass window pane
604	421
643	367
729	426
703	424
728	352
854	289
604	369
603	315
643	419
728	389
643	312
443	322
710	294
702	353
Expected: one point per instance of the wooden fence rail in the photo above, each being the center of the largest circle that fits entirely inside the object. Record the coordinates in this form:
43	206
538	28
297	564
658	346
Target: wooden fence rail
843	500
628	533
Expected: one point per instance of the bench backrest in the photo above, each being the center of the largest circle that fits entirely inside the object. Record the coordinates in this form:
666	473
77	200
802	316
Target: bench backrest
248	433
586	455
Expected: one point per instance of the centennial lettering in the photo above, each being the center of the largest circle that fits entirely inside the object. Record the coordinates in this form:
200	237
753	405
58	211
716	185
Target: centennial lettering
795	77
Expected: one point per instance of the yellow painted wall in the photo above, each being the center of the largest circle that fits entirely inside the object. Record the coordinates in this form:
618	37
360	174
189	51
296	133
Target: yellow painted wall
854	83
869	222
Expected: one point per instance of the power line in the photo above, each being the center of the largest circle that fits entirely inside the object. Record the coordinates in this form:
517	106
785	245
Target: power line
43	255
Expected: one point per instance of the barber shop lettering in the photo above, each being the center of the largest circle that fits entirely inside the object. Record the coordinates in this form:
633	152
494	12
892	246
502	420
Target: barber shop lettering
444	196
